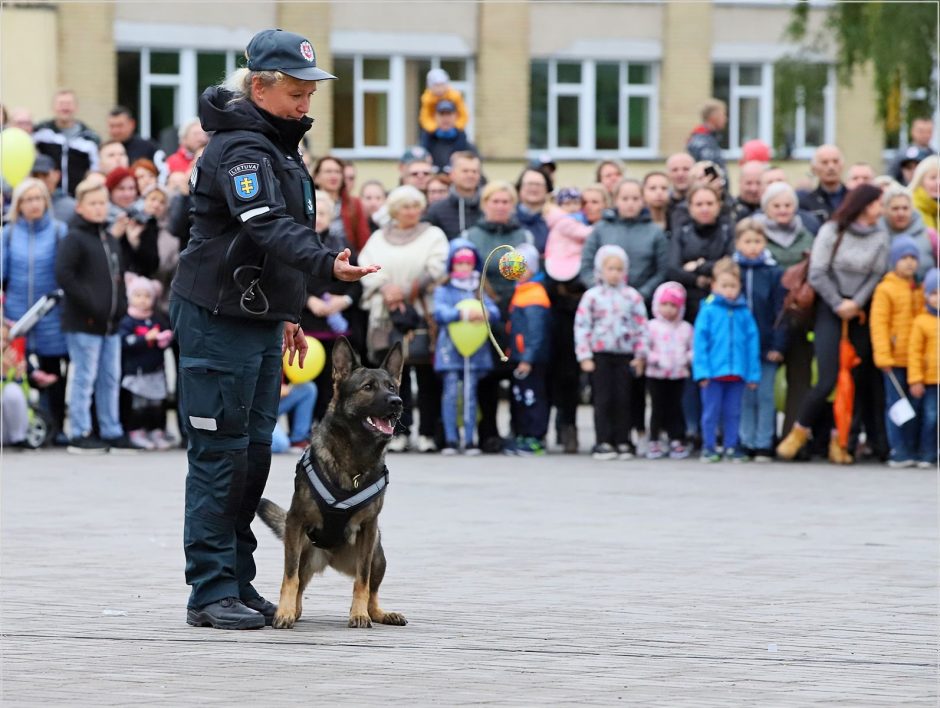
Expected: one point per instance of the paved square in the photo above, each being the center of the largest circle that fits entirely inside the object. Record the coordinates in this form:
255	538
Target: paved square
555	580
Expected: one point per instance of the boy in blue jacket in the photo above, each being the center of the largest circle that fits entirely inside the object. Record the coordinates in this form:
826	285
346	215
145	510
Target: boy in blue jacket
530	336
725	359
764	295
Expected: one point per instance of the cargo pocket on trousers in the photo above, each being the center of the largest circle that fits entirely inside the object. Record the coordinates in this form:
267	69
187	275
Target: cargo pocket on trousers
212	398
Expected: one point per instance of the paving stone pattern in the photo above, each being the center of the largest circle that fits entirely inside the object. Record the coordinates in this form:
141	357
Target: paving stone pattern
549	581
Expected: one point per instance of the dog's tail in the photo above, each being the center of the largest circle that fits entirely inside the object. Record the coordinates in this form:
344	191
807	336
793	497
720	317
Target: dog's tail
274	516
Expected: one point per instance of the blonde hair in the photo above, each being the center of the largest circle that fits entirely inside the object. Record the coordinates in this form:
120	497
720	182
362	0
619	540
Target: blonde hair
711	106
598	188
499	186
239	82
403	196
726	266
749	224
20	191
930	163
321	197
86	187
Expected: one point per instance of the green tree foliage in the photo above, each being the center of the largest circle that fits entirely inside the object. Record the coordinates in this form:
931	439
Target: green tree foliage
898	38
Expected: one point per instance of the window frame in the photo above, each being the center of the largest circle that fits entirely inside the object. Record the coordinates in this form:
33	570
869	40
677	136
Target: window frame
585	91
802	150
185	81
394	87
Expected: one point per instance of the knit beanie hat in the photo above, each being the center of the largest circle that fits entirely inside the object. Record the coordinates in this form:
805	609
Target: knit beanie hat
773	191
901	247
931	280
673	296
531	255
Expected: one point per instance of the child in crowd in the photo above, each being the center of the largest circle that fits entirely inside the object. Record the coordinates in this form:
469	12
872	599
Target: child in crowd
463	265
569	199
667	369
725	359
90	271
896	302
14	405
923	376
297	402
144	338
530	337
611	343
764	295
439	89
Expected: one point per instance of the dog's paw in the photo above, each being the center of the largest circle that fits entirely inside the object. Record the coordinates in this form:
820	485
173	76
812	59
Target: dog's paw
360	622
283	621
395	618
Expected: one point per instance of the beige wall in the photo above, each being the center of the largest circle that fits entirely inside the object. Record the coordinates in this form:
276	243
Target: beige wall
32	89
90	64
502	86
686	76
554	27
458	18
253	16
858	132
313	22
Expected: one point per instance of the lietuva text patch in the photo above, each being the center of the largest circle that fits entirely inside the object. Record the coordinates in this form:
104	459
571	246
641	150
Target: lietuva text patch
245	180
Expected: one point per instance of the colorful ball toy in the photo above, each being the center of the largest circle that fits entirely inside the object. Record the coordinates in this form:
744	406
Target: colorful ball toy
512	265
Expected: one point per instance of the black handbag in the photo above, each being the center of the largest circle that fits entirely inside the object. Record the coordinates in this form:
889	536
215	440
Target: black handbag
415	334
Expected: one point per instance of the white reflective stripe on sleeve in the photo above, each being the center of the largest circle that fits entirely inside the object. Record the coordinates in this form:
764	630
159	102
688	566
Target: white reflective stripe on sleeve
203	423
251	213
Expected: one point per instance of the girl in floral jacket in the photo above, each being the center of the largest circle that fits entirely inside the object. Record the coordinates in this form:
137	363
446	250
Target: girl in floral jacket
611	343
667	369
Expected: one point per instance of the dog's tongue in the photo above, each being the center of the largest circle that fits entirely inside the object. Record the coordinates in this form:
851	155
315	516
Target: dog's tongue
386	425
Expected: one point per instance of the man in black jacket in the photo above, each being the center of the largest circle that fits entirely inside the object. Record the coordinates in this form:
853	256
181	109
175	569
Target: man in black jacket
236	299
703	142
821	202
121	127
70	143
461	209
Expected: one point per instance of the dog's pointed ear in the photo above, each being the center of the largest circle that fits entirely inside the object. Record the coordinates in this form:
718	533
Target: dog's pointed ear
394	362
345	360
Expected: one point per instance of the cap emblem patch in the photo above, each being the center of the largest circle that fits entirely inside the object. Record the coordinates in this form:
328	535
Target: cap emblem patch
306	49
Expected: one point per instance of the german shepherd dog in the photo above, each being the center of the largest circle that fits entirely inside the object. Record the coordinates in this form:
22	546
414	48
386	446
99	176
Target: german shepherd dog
348	448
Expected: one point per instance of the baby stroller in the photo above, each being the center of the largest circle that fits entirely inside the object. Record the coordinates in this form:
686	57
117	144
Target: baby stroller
41	427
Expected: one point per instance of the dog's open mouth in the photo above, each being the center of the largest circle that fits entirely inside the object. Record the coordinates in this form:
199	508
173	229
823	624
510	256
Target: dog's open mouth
386	426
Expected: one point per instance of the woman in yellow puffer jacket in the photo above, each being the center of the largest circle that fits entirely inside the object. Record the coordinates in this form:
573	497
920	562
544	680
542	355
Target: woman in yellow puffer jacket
925	190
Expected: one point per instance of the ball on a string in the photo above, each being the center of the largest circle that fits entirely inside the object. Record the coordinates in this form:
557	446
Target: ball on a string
512	265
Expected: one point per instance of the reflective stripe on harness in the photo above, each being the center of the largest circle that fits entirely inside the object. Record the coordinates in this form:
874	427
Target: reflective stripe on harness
336	512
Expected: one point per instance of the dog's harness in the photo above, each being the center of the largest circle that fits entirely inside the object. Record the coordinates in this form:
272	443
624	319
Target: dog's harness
336	505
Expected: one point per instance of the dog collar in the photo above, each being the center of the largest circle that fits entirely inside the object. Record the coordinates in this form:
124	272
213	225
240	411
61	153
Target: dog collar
336	505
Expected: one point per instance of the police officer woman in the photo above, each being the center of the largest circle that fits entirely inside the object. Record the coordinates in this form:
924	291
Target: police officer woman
236	299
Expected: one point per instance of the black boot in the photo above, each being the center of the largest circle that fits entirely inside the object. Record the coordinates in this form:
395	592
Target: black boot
228	613
259	604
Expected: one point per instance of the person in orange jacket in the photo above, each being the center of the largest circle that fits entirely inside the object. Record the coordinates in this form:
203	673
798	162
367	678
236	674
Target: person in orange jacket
895	304
439	89
923	370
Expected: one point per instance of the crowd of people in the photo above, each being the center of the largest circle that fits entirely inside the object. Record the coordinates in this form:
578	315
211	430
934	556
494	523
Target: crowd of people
669	300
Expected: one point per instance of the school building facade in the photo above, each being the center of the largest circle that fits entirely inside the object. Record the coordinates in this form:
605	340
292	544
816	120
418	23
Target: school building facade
581	81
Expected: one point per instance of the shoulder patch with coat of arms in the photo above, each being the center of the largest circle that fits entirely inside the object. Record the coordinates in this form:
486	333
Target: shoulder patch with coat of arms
245	181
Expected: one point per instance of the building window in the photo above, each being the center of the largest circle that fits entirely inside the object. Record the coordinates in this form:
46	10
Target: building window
162	87
790	105
593	108
804	108
377	99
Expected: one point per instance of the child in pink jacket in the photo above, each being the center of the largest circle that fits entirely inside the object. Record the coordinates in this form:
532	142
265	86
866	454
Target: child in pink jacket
667	368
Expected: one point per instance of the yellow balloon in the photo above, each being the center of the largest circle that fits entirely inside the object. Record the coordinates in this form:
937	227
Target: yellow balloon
468	337
313	363
17	155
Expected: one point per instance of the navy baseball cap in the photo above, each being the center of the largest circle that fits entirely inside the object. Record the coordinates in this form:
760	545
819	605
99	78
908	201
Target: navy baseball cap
289	53
446	106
